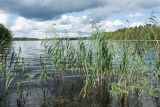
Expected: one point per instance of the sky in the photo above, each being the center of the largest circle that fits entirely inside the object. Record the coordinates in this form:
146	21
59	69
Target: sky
41	18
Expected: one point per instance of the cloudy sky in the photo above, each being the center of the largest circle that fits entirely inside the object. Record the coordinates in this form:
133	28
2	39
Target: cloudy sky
37	18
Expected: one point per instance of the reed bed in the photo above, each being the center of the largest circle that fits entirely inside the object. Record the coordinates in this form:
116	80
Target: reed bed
117	69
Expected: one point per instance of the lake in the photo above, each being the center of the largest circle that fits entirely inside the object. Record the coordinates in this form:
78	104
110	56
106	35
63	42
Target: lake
63	90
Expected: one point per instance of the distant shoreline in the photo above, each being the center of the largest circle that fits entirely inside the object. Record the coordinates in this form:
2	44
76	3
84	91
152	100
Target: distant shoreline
82	38
26	39
37	39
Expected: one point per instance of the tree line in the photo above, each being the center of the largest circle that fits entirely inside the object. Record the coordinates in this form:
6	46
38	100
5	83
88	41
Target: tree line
146	32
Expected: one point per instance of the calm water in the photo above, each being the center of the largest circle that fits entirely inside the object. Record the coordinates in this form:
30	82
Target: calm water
60	92
31	52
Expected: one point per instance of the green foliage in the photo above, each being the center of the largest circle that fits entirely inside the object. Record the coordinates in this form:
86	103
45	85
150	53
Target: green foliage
146	32
5	33
6	75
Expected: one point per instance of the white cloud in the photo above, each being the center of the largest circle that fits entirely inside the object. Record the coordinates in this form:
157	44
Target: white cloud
23	24
32	28
117	23
3	18
137	24
71	23
135	15
66	24
111	25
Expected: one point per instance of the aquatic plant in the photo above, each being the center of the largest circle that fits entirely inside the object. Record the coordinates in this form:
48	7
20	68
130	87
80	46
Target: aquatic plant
95	58
6	76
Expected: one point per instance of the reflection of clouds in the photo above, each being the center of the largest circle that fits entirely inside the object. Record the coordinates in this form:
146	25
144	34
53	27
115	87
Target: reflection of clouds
30	49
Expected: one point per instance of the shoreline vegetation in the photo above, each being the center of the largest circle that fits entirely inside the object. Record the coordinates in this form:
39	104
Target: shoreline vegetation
146	32
5	34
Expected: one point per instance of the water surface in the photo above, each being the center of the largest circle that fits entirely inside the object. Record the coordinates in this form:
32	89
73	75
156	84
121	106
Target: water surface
62	91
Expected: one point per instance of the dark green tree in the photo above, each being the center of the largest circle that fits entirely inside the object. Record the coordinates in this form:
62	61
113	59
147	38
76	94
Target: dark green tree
5	34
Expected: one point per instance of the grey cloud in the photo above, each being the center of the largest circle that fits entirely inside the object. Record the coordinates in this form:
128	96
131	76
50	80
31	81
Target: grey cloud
121	6
145	4
47	9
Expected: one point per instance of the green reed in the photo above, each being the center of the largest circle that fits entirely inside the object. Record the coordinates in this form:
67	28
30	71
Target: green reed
95	59
11	64
6	76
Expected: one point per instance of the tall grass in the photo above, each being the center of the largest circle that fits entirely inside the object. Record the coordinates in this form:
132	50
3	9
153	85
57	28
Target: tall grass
6	76
9	65
96	58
